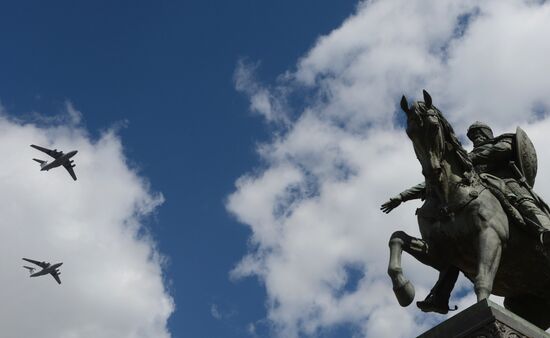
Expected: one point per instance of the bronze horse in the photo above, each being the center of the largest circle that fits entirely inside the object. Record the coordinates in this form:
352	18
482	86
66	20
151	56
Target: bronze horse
463	224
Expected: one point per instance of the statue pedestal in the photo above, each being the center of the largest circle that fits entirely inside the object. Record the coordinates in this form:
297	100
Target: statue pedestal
485	320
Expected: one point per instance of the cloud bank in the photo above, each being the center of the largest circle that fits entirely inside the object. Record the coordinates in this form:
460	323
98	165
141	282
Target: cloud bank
318	240
112	273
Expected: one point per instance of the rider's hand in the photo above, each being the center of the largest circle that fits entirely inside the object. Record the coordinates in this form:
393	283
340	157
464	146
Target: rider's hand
391	204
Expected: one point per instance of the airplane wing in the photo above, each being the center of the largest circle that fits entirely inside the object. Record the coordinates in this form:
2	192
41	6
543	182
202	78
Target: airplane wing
70	170
52	153
43	265
56	277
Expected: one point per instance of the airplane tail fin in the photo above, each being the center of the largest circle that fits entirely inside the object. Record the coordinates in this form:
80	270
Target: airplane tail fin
31	270
42	163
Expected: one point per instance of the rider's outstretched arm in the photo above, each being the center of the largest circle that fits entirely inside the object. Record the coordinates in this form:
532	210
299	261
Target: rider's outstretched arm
416	192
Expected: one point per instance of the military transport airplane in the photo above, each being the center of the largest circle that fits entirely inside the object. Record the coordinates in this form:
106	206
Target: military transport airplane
47	268
60	158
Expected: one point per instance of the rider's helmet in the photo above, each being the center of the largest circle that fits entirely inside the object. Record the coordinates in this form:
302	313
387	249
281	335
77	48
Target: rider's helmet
485	129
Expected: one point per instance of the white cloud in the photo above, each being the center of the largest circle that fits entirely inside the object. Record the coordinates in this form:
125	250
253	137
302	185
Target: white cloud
215	312
313	210
495	71
75	116
269	103
112	272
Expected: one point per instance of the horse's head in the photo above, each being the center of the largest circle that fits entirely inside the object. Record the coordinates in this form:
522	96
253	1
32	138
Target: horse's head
437	148
425	129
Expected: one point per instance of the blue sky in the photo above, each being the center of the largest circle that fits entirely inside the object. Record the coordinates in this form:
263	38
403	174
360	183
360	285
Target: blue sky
167	69
230	156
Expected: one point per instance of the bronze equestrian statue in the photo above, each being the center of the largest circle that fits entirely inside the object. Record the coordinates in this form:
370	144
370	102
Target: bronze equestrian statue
480	216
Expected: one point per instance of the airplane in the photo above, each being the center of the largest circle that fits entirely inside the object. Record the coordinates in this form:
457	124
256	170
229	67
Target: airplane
47	268
60	158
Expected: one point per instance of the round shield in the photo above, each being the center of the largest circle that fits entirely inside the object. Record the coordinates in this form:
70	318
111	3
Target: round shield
526	156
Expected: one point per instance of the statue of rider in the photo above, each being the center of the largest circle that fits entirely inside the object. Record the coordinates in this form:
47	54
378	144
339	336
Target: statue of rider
494	158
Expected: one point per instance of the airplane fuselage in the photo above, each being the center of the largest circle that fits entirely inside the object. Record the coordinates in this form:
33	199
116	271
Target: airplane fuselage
59	161
47	270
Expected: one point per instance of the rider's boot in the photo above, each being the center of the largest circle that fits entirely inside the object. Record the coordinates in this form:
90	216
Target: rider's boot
544	237
434	304
536	220
543	234
438	298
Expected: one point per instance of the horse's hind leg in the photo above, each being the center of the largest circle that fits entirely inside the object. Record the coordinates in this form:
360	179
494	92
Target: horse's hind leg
533	309
416	247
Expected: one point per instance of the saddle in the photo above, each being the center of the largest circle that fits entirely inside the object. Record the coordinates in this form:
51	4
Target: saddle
494	184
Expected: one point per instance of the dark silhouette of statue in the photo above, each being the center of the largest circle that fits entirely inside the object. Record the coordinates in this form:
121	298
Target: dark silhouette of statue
480	216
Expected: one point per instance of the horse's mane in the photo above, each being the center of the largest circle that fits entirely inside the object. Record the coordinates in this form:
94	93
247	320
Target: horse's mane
450	138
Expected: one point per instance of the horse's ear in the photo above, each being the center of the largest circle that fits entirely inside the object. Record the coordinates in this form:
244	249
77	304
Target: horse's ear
427	98
405	104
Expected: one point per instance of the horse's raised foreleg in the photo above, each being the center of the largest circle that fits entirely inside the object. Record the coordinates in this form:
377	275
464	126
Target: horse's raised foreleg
489	252
418	248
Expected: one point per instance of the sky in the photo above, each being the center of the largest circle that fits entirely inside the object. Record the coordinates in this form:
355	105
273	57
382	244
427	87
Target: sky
233	157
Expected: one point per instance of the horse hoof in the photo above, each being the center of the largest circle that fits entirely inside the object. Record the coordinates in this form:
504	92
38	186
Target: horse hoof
404	294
